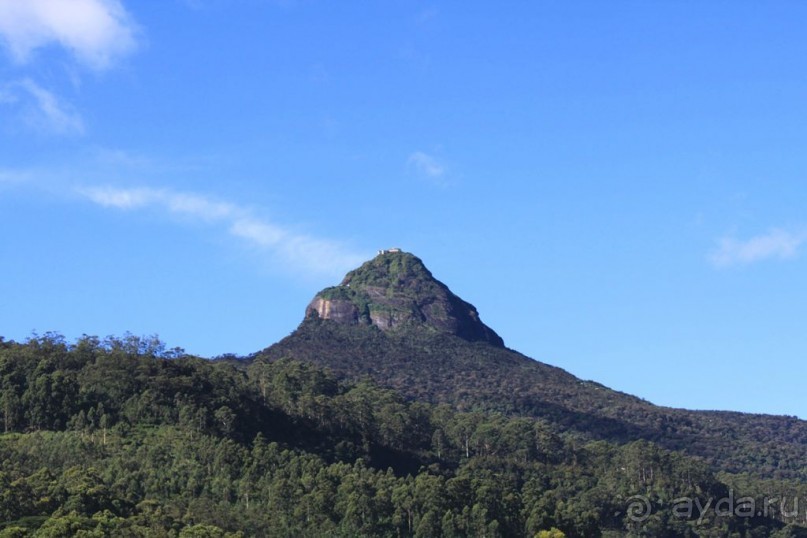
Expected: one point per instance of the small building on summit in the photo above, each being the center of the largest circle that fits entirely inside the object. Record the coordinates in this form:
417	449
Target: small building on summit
389	250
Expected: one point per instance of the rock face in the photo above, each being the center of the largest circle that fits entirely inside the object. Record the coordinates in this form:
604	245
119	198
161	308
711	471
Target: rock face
393	291
338	310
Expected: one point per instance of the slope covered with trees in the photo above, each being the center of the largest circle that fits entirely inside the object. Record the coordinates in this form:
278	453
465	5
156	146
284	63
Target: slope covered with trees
425	362
122	437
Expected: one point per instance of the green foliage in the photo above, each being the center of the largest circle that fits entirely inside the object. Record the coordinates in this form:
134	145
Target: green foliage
551	533
435	367
115	438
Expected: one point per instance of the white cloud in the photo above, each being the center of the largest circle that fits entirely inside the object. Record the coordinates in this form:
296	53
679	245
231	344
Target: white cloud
120	198
260	233
190	205
95	32
40	109
195	206
776	244
50	113
298	251
426	165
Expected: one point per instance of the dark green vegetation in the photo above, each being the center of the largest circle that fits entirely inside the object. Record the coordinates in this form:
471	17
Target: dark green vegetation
471	376
395	291
115	438
427	364
347	429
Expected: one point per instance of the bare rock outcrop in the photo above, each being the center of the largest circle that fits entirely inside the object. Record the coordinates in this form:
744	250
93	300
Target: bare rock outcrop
394	291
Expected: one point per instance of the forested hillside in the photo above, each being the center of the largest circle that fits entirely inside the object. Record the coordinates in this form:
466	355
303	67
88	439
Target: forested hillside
392	321
391	411
440	368
121	437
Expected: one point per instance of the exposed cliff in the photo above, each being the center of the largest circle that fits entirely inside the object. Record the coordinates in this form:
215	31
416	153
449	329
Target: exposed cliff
395	290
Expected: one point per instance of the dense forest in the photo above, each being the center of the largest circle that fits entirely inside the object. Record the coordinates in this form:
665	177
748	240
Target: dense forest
124	437
440	368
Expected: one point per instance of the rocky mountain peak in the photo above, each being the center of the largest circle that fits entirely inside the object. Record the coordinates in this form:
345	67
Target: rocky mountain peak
394	291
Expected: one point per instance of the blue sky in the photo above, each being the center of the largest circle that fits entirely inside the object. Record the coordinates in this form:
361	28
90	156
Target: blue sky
619	187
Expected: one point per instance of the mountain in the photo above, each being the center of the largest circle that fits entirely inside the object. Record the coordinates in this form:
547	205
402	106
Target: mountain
392	321
391	411
395	291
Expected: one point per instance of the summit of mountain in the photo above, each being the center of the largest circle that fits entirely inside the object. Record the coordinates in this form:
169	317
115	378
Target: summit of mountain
395	291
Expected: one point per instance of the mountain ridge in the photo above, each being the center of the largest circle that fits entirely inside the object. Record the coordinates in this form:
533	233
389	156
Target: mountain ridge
436	362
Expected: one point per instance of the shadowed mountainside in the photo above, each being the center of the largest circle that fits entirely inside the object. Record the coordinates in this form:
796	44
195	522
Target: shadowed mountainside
392	321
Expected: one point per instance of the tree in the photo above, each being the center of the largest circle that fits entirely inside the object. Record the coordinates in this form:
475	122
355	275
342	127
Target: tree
225	419
551	533
10	403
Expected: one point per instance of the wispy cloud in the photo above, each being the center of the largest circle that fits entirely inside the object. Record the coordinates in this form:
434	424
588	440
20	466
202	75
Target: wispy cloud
50	113
316	256
40	109
776	244
120	198
95	32
427	166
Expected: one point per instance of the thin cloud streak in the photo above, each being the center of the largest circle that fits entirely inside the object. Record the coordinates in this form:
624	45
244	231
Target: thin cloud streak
95	32
40	109
776	244
260	233
51	114
426	165
120	198
314	256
